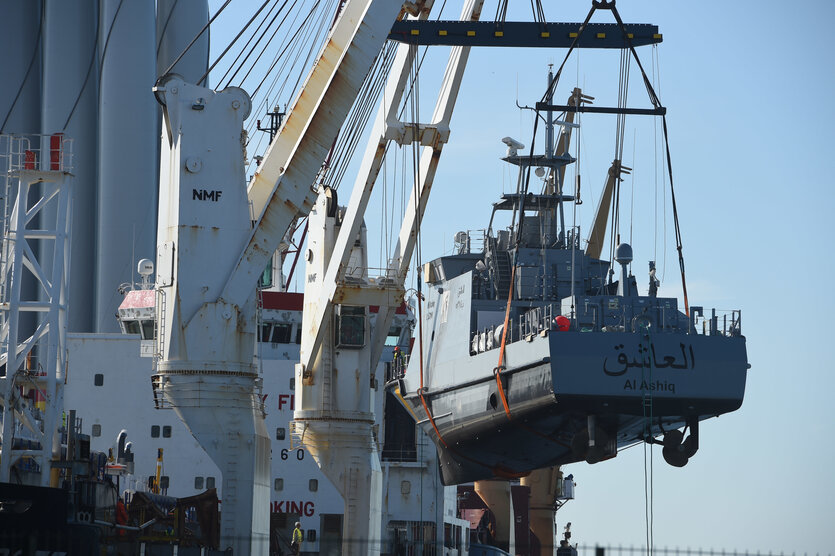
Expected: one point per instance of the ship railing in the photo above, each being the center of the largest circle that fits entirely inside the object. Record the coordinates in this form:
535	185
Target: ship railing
371	275
662	319
48	153
719	322
470	241
489	338
538	319
401	454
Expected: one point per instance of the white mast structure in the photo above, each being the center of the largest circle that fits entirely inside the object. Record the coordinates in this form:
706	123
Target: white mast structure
39	221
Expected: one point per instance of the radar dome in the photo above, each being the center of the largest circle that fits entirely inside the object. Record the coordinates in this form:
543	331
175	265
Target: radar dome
145	267
623	253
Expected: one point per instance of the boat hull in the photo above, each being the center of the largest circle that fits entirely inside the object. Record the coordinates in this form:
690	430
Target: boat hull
558	386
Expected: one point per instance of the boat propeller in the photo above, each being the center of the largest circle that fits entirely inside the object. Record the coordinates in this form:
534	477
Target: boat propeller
678	450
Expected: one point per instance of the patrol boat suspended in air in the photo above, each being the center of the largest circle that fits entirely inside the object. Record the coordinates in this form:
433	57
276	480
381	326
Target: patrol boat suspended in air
531	355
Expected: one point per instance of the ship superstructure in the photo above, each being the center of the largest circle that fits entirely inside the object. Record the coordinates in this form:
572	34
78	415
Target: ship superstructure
111	399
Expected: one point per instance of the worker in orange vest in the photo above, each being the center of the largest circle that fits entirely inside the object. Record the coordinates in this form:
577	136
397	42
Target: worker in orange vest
121	515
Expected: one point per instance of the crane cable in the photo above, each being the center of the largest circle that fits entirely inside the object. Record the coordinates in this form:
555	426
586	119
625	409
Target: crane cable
194	40
29	68
548	93
233	41
250	50
653	97
657	104
414	99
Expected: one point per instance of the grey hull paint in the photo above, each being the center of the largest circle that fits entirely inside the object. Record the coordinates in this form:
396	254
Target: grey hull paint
660	382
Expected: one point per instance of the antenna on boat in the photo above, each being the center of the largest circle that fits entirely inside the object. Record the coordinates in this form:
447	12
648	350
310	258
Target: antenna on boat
513	146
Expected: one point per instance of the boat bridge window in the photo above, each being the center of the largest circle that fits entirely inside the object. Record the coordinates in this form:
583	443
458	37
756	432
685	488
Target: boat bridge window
280	433
350	327
313	485
98	379
393	337
166	431
96	430
155	431
198	483
210	482
277	333
279	484
145	328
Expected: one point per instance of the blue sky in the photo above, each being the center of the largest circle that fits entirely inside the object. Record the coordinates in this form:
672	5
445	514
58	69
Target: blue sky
748	88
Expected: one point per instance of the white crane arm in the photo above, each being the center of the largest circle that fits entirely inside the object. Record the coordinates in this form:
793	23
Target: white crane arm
282	187
433	137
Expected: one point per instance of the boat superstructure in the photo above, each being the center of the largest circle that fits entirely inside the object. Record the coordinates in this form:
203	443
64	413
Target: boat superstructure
533	355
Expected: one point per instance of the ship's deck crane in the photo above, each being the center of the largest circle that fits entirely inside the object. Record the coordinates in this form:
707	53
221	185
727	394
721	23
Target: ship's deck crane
210	255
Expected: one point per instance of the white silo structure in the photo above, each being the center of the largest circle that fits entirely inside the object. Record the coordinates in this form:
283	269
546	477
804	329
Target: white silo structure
20	101
20	92
178	22
69	105
128	152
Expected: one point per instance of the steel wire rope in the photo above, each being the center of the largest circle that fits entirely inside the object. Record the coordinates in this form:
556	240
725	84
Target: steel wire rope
246	47
657	104
291	42
165	26
285	61
29	67
663	189
292	45
194	40
310	50
106	43
233	41
408	93
655	164
87	77
355	123
538	11
360	113
313	44
623	89
632	192
384	231
263	50
646	403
